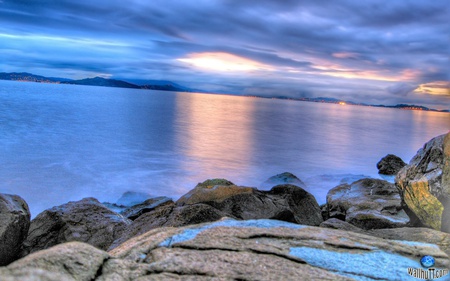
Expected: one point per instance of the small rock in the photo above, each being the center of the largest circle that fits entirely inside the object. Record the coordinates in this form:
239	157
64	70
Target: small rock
14	225
283	178
390	165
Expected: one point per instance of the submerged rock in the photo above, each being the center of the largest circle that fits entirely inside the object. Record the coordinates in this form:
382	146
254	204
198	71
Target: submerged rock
424	184
368	204
14	225
390	165
283	178
86	221
148	205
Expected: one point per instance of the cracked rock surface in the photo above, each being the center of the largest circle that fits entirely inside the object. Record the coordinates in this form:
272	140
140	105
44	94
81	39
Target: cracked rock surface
232	250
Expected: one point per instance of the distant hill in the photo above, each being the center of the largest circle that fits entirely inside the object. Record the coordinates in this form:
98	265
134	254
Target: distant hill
96	81
163	85
99	81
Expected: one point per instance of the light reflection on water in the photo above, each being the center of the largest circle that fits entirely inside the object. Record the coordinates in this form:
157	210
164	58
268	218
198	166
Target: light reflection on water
65	142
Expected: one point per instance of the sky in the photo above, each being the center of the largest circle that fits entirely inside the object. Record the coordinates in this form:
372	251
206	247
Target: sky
369	51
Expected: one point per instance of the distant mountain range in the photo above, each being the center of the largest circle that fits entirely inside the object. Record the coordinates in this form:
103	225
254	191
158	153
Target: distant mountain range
96	81
343	102
164	85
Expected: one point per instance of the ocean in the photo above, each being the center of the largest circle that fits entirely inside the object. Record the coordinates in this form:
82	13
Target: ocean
61	143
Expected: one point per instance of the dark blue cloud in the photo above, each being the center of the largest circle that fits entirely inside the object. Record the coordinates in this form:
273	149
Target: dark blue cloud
354	49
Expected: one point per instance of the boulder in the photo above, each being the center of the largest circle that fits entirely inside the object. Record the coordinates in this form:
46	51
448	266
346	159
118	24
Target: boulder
214	189
86	221
390	165
425	186
169	215
283	178
283	202
367	204
14	225
232	250
148	205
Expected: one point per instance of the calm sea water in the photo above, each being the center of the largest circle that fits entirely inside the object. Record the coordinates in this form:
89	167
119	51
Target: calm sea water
63	142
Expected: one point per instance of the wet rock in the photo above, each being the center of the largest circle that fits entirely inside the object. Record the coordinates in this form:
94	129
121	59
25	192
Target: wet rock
148	205
232	250
283	178
424	184
368	204
127	200
210	190
283	202
390	165
169	215
131	198
86	220
14	225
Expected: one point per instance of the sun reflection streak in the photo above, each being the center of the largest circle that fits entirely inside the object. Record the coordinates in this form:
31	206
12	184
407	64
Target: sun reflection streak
220	138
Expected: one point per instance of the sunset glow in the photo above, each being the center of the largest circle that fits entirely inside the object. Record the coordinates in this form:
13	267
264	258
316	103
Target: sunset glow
222	62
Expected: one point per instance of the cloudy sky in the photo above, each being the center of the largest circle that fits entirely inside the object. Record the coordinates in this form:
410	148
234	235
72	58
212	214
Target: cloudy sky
365	51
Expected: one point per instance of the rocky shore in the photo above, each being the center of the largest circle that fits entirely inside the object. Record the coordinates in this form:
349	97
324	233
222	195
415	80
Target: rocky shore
367	230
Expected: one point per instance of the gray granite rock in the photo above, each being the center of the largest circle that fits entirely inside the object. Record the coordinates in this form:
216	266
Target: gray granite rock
368	204
14	225
86	221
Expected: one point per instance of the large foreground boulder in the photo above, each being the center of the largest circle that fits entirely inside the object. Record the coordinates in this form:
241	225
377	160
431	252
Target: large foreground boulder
86	220
14	225
283	202
233	250
390	165
424	184
368	204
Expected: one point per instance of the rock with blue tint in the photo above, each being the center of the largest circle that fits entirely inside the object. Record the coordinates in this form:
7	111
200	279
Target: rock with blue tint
418	234
367	204
148	205
283	178
14	225
86	220
424	184
233	250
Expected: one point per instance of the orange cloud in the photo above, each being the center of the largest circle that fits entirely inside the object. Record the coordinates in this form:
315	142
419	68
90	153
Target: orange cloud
441	88
346	55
